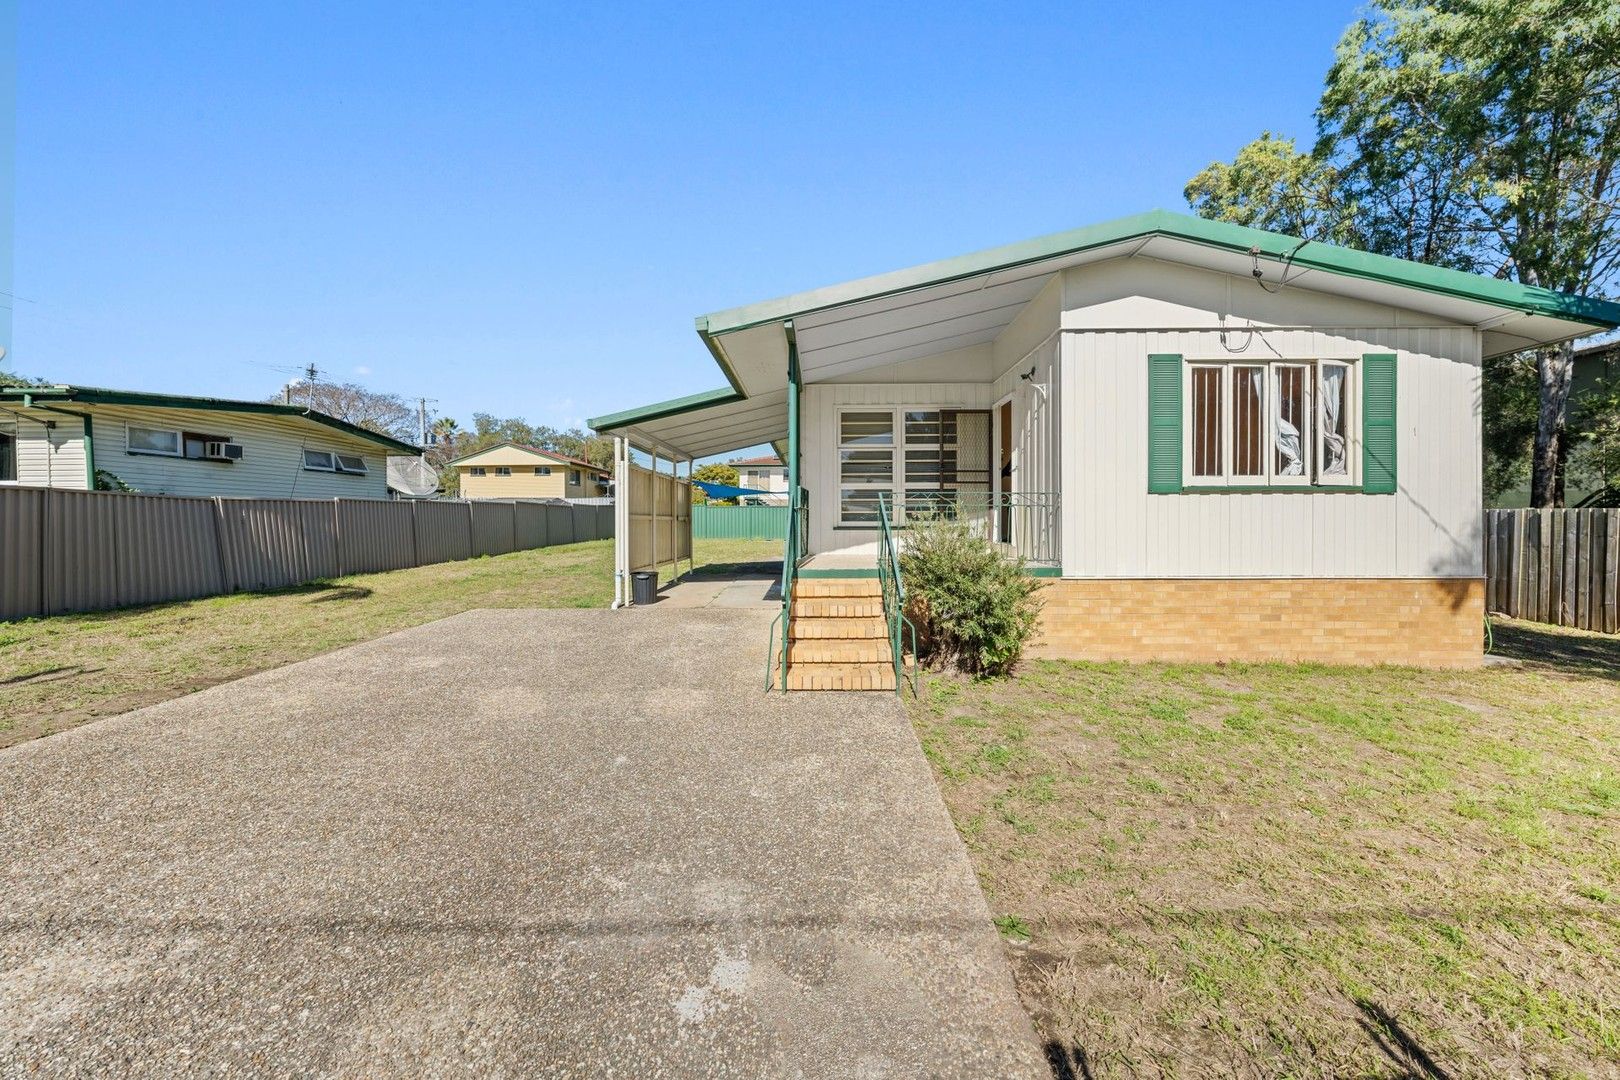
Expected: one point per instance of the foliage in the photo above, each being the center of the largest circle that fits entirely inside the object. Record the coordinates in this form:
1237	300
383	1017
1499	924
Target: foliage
1480	135
1511	396
1598	417
106	481
11	378
714	473
386	414
972	606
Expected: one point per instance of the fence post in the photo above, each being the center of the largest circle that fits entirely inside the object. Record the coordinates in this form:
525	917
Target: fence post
226	579
472	533
416	542
337	535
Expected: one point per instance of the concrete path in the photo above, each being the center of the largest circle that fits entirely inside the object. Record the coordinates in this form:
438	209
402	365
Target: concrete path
512	842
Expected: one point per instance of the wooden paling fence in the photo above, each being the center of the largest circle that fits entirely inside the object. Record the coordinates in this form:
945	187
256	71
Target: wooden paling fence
1555	566
65	551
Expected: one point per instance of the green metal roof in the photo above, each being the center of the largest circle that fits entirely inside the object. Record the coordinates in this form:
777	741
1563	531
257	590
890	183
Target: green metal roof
95	395
673	407
1313	255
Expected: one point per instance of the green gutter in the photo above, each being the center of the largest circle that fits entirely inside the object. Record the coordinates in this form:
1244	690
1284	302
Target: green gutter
662	409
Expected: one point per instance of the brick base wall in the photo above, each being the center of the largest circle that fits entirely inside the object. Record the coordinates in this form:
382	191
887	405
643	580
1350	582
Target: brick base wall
1425	623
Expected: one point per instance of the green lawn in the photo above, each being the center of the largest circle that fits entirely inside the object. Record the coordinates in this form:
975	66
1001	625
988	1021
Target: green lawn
1268	870
59	672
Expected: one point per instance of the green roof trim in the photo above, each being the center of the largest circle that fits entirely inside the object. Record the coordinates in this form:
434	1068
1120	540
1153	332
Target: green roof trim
1313	255
674	407
95	395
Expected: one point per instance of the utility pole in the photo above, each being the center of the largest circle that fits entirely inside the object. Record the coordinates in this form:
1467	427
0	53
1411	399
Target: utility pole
311	373
421	422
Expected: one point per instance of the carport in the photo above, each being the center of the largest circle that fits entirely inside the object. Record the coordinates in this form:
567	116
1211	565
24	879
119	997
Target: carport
653	507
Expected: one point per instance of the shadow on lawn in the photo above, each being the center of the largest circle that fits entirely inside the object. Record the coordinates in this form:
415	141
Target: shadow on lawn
1397	1044
1068	1062
1567	651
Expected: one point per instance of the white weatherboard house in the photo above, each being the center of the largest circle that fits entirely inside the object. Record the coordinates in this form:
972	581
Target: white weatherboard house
65	436
1220	443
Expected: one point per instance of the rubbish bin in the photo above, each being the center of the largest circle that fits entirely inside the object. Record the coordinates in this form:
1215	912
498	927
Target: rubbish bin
643	587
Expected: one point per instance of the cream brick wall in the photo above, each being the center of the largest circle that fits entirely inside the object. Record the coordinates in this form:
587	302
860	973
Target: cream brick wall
1421	622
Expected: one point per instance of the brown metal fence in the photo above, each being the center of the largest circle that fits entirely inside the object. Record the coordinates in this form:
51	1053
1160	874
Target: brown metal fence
1555	566
64	551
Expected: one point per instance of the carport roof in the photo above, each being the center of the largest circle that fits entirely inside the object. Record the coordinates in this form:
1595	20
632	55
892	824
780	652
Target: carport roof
969	299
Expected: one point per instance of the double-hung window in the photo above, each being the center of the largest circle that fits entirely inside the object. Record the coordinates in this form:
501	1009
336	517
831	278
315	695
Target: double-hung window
1285	423
503	470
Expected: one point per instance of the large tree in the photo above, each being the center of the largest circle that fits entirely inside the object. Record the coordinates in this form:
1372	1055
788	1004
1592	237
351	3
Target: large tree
386	414
1478	134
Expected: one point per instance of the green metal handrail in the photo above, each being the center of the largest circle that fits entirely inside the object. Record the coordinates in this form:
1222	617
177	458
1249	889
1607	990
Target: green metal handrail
793	547
894	600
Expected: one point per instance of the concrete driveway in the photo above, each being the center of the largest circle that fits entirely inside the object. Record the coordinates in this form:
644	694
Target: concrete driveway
511	842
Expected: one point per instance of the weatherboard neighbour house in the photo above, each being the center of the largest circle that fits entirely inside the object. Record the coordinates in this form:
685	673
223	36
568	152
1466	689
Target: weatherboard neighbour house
1220	443
511	470
67	436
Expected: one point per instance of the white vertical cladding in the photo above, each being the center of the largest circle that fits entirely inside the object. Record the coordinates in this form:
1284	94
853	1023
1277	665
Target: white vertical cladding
1429	528
818	436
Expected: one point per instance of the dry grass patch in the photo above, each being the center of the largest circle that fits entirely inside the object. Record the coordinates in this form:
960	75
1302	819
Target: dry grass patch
58	672
1261	870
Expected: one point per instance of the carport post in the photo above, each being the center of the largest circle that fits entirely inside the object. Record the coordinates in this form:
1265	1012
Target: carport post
621	521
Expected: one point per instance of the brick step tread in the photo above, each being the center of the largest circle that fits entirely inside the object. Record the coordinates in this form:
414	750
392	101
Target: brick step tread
839	651
840	677
838	607
839	628
837	587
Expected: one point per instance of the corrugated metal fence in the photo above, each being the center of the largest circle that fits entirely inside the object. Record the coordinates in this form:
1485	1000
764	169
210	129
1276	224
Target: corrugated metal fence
1555	566
711	522
63	551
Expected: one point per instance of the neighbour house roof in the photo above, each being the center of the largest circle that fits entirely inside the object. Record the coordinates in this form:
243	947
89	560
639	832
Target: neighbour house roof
549	455
970	299
95	395
767	459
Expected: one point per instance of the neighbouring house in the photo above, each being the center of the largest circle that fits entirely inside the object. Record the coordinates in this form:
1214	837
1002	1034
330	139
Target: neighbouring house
511	470
1218	443
765	473
170	444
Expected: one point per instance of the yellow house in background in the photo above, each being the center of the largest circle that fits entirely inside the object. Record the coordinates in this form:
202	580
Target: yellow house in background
513	471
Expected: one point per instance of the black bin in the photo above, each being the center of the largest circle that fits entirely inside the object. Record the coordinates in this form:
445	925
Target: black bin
643	587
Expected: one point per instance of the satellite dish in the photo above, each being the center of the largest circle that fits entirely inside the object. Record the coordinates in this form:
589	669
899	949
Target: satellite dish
412	477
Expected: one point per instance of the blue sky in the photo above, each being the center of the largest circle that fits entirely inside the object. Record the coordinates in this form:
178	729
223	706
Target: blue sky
518	210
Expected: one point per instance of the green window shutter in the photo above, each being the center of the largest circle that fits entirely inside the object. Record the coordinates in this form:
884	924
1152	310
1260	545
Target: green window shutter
1378	423
1164	422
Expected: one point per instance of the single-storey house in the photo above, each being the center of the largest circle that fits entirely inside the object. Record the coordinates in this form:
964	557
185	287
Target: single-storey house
511	470
86	437
1218	443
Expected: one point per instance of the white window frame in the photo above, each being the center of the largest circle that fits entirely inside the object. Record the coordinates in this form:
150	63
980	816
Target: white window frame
331	460
362	470
503	470
896	483
542	470
477	470
1312	478
179	441
9	426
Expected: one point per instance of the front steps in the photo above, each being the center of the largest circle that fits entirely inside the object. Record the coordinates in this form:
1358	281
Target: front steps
839	638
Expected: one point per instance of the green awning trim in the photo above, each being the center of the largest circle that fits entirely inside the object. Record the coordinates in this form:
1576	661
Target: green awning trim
1274	247
674	407
95	395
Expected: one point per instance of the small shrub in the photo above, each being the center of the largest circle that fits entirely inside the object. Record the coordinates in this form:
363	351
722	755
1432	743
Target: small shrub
973	607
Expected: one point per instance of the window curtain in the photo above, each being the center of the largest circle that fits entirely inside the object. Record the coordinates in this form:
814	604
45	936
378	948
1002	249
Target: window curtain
1335	460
